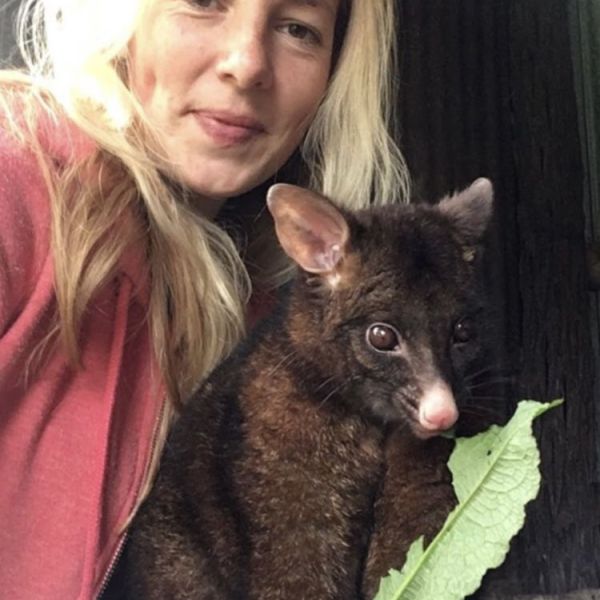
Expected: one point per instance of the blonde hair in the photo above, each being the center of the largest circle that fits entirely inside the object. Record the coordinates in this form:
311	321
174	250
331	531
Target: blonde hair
76	57
356	116
199	285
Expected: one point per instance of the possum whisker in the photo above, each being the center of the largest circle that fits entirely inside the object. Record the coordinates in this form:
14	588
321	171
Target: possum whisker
324	383
331	393
287	360
337	388
482	411
490	397
489	370
494	381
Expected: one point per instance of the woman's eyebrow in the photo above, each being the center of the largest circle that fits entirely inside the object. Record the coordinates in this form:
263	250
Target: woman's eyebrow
326	4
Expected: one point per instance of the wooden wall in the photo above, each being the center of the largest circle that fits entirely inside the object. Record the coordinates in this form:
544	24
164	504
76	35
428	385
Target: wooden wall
487	87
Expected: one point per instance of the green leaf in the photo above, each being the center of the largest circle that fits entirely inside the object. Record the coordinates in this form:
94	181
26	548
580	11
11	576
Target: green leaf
495	474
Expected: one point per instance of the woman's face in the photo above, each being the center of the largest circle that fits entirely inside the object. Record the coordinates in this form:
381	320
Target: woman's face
232	84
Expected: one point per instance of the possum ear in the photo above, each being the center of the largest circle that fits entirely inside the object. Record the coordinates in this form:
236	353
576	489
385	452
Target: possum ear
470	210
310	229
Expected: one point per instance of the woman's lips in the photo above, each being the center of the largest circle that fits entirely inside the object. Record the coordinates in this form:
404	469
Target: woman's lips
227	129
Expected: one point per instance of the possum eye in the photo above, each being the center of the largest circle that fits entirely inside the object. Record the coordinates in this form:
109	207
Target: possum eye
464	331
382	337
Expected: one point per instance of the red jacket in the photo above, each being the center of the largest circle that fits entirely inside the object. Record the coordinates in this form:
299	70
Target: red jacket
74	444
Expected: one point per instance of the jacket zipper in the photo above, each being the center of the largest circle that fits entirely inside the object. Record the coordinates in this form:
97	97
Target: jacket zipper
121	545
112	566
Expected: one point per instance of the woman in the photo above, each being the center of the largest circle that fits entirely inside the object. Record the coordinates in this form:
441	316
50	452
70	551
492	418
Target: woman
119	288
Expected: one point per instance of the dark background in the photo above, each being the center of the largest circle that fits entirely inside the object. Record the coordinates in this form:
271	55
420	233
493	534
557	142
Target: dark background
510	90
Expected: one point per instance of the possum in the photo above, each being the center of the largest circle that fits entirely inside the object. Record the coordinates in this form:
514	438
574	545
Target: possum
270	480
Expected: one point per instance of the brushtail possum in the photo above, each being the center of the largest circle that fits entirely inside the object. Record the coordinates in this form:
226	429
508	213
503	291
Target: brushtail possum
269	479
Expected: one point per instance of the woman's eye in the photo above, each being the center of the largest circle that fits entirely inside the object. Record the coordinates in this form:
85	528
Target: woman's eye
382	337
205	3
464	331
303	33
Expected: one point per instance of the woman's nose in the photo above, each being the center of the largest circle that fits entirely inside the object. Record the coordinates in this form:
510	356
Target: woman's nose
245	59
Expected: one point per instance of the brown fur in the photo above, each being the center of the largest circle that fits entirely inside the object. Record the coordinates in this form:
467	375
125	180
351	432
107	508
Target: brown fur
307	478
415	499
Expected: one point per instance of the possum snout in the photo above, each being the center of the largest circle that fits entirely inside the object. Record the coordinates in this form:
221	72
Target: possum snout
437	410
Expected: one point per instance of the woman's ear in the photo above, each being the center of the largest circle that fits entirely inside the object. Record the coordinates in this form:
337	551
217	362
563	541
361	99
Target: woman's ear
312	232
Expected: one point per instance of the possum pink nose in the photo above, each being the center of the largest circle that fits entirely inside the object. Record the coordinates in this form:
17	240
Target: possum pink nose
437	408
